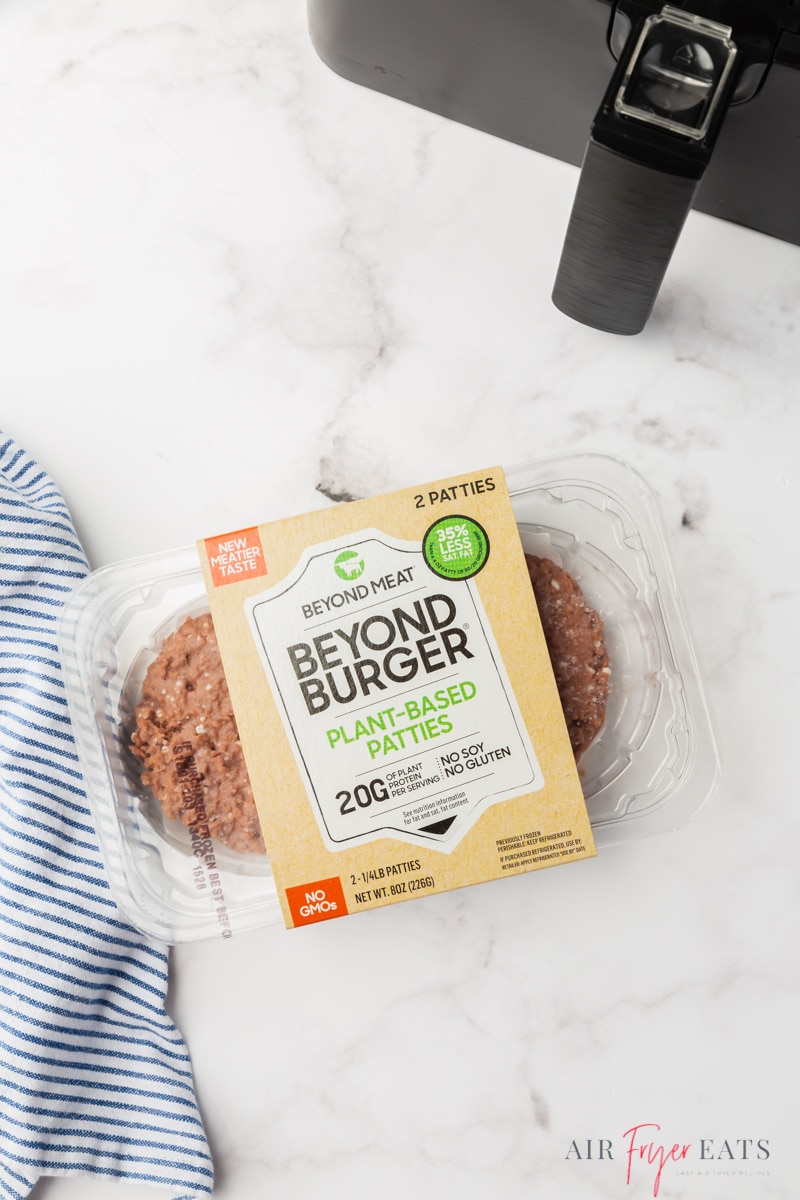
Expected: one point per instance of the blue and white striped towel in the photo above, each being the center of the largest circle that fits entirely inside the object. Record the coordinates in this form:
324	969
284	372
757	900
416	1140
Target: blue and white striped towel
94	1076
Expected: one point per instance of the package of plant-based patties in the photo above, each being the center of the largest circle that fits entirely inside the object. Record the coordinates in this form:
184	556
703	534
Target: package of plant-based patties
394	696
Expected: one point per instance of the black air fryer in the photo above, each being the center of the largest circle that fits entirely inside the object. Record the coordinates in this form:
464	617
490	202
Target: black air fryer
665	108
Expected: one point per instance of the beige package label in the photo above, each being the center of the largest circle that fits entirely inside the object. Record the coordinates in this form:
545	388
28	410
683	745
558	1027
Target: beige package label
394	696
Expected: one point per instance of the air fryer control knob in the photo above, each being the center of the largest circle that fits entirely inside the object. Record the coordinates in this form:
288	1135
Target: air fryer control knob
675	77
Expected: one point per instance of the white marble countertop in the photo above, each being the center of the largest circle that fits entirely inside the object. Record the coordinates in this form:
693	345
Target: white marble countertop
234	287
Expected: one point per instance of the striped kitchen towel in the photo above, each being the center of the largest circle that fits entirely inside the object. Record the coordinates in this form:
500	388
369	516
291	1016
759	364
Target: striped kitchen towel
94	1077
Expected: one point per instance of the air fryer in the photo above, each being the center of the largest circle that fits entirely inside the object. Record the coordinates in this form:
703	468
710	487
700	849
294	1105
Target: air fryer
664	108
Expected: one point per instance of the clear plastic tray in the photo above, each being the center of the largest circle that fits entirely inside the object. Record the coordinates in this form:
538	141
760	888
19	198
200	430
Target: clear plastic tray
650	769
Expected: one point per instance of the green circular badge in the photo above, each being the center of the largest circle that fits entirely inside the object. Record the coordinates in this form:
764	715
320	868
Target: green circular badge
456	547
348	565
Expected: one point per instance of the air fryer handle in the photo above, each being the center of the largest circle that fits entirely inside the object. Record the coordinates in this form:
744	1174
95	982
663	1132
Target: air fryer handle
624	226
650	142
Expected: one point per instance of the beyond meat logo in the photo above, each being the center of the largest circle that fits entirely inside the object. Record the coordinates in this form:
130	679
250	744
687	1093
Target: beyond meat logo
349	565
